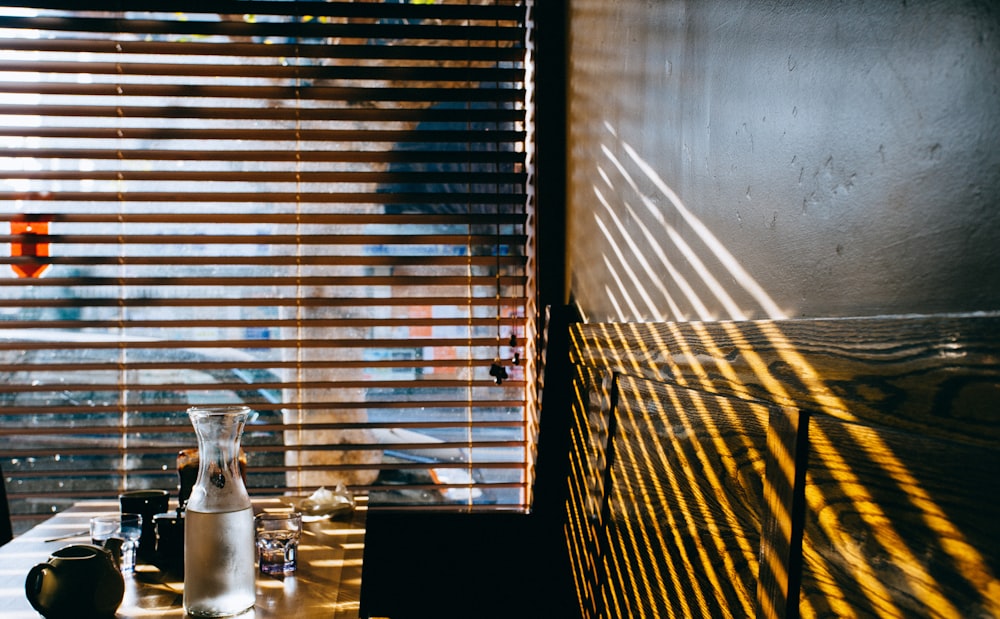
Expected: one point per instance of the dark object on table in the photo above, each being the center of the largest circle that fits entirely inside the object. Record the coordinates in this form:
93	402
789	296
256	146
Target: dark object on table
170	542
146	503
77	581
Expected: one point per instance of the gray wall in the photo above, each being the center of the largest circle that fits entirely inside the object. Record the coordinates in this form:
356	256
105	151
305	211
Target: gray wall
787	158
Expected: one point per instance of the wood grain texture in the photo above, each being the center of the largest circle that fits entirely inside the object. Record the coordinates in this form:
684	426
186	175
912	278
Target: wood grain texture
685	498
781	521
877	446
899	524
927	374
589	438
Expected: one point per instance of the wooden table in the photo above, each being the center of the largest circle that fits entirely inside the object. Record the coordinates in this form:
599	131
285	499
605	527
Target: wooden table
327	583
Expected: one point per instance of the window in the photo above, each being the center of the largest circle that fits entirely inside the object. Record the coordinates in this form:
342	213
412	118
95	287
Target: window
319	209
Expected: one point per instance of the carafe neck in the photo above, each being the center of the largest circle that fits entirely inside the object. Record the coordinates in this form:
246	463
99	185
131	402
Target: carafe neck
219	486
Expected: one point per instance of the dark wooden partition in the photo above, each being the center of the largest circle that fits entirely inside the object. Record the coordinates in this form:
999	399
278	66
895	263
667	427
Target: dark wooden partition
814	468
6	530
486	564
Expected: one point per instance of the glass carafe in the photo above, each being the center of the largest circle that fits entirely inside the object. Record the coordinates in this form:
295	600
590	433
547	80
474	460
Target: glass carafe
219	548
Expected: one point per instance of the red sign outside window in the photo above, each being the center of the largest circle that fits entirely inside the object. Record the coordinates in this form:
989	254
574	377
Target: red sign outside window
28	247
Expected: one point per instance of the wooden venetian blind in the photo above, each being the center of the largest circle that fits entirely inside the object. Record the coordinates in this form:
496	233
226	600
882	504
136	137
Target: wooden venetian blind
316	209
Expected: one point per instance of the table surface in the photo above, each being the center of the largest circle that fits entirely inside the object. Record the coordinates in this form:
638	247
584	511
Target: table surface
327	583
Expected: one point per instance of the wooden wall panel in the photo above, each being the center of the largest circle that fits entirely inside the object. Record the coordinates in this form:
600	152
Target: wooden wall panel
865	452
588	458
937	375
684	503
781	522
899	524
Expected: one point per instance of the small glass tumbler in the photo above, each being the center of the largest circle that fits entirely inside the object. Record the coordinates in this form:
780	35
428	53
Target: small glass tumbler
124	527
278	536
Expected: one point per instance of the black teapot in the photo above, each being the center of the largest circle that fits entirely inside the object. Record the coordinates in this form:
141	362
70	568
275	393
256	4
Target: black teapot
81	580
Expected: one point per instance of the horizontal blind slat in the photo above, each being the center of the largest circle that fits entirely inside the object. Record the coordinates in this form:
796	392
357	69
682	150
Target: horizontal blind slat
219	197
349	94
269	135
329	177
317	218
251	155
290	73
343	51
359	30
443	9
387	301
179	325
99	109
398	238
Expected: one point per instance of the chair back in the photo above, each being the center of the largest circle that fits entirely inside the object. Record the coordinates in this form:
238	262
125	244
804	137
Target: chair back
6	531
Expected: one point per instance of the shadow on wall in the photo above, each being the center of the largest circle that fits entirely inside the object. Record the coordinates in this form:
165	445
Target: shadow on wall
662	261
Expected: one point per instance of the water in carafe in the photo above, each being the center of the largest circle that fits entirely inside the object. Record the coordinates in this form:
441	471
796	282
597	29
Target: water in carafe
219	542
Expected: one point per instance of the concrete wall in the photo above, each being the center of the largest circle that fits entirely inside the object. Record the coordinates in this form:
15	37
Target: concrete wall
786	158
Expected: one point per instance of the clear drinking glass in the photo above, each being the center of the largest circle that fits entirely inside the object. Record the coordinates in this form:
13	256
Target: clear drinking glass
131	532
125	527
103	528
278	536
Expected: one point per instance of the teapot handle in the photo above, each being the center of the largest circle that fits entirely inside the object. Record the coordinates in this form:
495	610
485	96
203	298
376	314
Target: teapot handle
33	585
